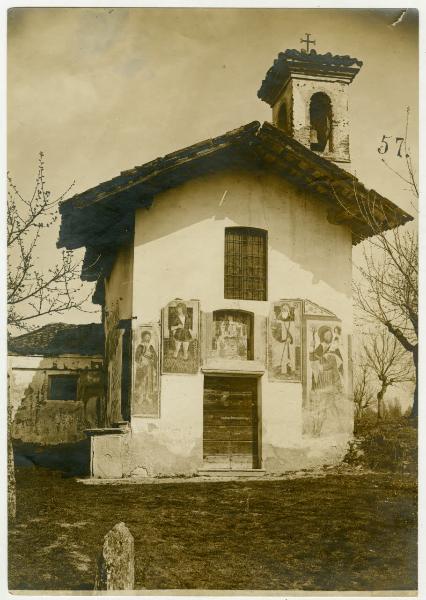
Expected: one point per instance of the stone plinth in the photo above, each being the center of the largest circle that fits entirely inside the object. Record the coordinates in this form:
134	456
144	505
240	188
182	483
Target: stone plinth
106	452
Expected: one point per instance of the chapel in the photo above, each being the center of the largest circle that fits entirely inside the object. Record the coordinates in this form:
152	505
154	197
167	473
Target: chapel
224	274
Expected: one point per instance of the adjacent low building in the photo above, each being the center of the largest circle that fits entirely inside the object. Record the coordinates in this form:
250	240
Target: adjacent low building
56	384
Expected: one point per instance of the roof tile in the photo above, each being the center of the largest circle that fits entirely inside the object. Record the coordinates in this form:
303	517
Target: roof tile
58	339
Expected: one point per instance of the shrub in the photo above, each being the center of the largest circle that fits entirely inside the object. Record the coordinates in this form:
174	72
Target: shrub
385	446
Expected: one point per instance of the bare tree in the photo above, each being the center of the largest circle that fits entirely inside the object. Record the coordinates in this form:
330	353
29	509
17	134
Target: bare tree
387	361
33	292
363	395
388	290
387	293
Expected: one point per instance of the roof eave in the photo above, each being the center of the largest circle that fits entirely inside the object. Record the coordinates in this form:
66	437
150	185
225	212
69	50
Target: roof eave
263	145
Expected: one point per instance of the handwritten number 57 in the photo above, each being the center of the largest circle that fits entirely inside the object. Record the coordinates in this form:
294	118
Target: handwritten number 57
384	146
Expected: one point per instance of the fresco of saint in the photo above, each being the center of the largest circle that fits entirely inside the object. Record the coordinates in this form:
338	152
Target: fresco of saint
180	325
180	337
146	376
284	341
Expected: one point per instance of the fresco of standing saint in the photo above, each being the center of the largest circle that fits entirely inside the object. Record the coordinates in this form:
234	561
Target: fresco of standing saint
180	337
284	362
146	392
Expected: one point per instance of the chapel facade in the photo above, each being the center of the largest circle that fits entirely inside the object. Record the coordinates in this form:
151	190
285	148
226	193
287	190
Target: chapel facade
224	275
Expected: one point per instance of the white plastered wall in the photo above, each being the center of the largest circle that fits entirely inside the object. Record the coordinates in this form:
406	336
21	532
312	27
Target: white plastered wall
179	253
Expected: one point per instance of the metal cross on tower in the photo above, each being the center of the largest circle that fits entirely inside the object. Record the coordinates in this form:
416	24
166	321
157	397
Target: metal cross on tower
308	41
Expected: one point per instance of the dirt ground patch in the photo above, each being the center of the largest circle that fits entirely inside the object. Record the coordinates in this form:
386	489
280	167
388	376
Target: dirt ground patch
338	532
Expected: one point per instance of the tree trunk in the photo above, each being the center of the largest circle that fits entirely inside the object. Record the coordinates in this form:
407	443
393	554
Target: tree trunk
415	408
11	482
357	417
380	395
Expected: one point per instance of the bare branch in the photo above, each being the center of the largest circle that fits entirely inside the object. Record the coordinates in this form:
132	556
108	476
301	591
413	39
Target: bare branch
386	294
33	292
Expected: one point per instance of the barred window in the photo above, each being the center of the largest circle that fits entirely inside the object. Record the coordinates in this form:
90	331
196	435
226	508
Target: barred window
245	263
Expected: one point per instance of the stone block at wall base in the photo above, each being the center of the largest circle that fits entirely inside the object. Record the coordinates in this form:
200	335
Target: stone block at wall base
108	448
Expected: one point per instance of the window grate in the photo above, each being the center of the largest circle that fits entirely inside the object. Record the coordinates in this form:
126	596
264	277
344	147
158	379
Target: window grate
245	263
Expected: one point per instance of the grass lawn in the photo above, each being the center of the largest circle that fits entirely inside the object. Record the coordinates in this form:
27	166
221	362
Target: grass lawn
339	532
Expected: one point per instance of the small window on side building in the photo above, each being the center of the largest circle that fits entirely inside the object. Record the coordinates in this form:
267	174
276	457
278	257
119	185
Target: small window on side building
62	387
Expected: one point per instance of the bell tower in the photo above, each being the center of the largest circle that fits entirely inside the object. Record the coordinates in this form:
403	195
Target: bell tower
308	94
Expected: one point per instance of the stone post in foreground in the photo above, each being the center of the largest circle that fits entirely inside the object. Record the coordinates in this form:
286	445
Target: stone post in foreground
116	563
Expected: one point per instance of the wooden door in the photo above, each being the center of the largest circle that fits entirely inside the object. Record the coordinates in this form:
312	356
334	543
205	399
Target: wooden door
230	422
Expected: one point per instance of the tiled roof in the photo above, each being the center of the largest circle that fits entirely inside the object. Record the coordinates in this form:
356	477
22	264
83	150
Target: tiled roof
103	214
295	61
333	60
58	339
101	218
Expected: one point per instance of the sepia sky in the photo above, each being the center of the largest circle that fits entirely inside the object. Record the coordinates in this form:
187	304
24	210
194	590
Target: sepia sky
102	90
